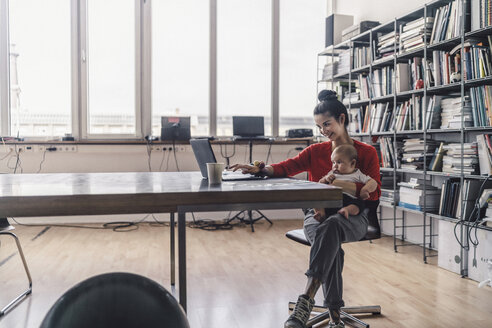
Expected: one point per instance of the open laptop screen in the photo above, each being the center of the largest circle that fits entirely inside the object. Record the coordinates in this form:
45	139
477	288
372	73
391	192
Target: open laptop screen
248	126
203	153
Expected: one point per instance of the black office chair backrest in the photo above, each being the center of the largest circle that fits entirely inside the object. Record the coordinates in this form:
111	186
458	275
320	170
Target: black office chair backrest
122	300
373	228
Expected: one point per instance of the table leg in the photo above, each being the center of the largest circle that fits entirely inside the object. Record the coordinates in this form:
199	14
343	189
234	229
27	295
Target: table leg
173	251
182	258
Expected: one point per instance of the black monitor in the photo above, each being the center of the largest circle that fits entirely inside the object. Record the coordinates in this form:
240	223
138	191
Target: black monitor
175	128
248	126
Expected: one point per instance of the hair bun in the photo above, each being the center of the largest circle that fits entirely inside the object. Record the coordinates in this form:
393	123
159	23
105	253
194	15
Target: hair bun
326	95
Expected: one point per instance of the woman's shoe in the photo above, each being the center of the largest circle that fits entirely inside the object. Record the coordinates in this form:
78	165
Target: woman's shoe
301	313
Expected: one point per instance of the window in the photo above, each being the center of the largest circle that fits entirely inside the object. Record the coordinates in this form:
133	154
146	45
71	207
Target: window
301	37
111	70
180	63
40	80
243	61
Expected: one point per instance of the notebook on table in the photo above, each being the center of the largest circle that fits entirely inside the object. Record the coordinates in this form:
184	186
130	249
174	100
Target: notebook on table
204	154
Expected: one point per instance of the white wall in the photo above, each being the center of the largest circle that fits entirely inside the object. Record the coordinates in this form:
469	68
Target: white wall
374	10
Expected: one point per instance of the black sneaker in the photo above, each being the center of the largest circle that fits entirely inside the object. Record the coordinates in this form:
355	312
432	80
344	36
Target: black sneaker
301	313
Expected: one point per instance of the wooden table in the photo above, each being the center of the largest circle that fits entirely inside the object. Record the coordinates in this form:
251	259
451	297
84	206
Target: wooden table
65	194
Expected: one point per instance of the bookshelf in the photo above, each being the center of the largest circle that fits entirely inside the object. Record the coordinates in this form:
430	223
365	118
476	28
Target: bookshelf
398	64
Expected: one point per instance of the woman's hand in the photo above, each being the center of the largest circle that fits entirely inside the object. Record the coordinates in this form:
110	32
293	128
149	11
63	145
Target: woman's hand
344	211
347	186
364	193
245	168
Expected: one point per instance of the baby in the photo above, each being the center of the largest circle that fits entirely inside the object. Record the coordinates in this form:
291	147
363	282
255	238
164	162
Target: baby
344	158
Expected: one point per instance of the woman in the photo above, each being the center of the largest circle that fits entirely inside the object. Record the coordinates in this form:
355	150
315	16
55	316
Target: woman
326	237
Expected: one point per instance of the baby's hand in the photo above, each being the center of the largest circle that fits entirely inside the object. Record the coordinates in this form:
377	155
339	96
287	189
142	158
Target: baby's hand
344	212
328	179
364	194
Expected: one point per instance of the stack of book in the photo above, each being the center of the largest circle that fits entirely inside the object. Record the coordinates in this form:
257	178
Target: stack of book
476	58
344	62
356	117
452	114
409	115
458	201
417	192
446	67
433	112
419	67
382	82
481	14
416	154
484	144
343	88
381	117
364	86
455	160
388	156
388	193
414	34
450	194
350	97
481	100
329	70
386	44
388	196
447	22
401	117
361	56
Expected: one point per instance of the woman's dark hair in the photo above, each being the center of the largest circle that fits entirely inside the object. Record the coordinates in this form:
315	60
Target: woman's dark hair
330	105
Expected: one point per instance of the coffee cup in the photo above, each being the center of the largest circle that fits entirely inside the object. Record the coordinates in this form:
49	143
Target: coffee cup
214	171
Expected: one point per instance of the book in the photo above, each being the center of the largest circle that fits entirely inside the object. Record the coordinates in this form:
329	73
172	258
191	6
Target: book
436	162
484	156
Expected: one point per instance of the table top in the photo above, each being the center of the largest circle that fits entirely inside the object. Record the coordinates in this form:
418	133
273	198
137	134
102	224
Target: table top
141	192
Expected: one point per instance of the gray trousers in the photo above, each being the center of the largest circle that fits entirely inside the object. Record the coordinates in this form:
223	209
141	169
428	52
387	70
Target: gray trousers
326	257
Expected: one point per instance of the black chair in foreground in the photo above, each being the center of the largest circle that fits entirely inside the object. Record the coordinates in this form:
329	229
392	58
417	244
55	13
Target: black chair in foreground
122	300
373	232
6	229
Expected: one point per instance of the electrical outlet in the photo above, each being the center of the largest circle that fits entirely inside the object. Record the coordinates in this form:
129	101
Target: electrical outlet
40	148
72	148
156	148
29	148
181	149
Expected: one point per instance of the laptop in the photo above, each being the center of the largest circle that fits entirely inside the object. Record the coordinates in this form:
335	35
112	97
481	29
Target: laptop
248	128
204	154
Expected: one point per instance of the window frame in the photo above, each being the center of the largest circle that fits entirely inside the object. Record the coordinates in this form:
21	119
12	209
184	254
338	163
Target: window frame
84	82
143	71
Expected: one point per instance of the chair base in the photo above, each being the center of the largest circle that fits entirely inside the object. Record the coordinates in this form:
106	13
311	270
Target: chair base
28	291
345	312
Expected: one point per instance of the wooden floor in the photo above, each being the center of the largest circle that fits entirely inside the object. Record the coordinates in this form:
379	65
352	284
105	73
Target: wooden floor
238	278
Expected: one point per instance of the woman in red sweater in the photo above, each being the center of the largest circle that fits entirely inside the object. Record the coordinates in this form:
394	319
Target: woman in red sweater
326	237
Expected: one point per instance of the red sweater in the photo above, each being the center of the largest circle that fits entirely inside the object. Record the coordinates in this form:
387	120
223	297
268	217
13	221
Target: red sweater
316	160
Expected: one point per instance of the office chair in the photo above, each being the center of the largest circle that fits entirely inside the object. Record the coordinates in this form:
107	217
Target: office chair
118	299
5	229
373	232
